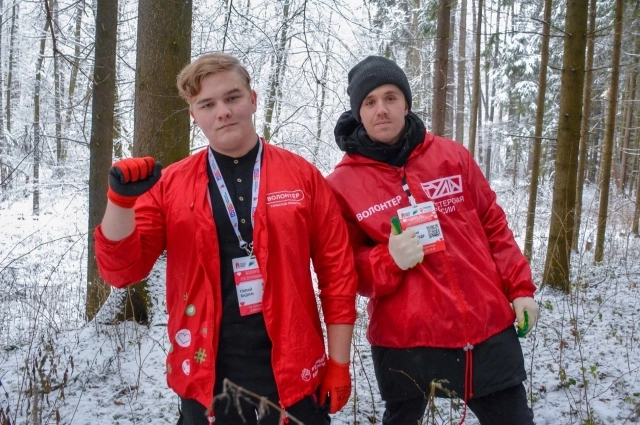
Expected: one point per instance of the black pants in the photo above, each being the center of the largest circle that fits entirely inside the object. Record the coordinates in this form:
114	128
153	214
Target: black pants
226	413
505	407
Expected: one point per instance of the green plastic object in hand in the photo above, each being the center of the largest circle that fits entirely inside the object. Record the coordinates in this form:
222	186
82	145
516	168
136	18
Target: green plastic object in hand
395	223
523	326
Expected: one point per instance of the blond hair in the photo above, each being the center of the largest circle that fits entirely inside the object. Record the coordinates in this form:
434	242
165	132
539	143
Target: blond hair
189	80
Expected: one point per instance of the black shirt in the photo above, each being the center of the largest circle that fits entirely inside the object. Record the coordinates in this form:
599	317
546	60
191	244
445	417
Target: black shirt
244	348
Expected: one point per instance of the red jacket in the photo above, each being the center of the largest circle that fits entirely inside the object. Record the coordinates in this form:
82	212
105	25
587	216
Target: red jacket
296	220
457	296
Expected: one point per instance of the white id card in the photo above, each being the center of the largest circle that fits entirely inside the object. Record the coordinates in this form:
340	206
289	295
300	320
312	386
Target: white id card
249	285
423	219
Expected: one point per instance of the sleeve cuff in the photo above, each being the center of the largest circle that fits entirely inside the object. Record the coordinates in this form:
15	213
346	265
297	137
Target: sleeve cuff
339	310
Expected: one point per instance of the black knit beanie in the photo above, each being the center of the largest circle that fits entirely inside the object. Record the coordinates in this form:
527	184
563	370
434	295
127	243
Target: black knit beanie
372	72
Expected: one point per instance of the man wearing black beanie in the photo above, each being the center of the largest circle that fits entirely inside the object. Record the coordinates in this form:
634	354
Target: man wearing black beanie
434	254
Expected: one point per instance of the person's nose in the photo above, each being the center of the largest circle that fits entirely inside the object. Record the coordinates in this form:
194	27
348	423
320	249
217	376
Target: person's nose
223	111
381	109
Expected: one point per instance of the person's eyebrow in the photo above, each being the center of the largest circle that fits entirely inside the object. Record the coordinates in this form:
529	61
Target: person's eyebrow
227	93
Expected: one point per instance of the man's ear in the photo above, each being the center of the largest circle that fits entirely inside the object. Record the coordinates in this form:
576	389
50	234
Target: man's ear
254	100
406	108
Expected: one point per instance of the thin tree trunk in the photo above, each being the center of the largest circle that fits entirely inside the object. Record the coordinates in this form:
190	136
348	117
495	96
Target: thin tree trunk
3	168
610	125
322	83
11	85
626	130
636	213
537	141
414	58
278	69
450	110
635	164
75	66
475	96
462	62
492	105
440	67
118	140
584	125
594	142
558	259
285	59
57	75
101	142
36	123
636	178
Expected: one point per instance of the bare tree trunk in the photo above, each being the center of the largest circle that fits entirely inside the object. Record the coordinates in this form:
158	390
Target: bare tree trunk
74	67
440	68
451	92
322	83
484	93
558	260
278	69
118	139
636	176
161	118
414	59
635	163
462	63
285	59
636	212
626	129
610	125
11	84
594	142
36	122
492	105
3	168
475	96
537	141
101	143
584	125
57	75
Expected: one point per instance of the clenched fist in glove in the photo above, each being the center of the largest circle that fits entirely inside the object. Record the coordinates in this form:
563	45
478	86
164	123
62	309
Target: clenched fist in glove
337	384
405	249
130	178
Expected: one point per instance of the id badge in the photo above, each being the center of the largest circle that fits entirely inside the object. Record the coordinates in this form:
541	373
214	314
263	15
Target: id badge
249	285
423	219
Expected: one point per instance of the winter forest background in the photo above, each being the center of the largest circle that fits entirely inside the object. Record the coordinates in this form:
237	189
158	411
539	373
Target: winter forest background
543	93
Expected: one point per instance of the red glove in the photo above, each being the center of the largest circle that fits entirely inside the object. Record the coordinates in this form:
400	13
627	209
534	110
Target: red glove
131	177
337	384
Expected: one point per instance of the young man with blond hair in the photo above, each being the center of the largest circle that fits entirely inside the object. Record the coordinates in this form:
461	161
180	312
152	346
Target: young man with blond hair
241	223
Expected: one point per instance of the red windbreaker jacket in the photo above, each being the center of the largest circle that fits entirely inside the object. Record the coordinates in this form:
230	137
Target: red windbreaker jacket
297	219
458	296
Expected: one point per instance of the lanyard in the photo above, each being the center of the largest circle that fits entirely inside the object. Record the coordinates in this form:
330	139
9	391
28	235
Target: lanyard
231	210
405	187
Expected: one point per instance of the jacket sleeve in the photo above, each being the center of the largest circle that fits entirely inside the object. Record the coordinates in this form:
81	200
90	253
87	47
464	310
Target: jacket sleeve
378	274
511	264
130	260
331	256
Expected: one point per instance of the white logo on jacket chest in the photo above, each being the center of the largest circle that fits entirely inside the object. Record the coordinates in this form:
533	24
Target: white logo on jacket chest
285	197
443	187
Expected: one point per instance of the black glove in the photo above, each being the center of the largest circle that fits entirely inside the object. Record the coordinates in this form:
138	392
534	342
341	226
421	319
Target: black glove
130	178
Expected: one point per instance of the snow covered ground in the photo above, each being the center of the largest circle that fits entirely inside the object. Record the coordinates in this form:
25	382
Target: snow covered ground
583	358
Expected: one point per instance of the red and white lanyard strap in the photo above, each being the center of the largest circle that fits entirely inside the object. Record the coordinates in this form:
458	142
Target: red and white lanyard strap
224	192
